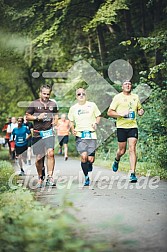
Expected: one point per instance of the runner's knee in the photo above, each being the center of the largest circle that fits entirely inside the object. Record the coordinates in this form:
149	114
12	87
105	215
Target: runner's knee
50	153
84	157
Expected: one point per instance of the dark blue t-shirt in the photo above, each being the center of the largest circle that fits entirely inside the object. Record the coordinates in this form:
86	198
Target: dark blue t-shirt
20	135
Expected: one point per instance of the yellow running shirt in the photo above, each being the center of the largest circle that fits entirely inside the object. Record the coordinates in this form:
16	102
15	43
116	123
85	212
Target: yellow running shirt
84	116
122	103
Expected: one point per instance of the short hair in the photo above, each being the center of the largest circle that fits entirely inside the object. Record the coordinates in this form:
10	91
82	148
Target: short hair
45	86
126	81
80	88
20	117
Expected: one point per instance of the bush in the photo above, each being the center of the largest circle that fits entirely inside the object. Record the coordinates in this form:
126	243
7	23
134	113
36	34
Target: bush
4	154
28	226
6	170
153	127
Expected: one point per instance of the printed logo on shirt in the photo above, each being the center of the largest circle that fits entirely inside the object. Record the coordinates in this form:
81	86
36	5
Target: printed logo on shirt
82	111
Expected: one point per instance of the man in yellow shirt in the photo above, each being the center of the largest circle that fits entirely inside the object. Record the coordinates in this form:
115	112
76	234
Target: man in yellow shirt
84	117
125	106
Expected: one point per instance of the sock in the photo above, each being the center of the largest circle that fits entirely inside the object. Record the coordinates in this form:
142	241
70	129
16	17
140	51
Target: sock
84	168
117	160
90	166
13	155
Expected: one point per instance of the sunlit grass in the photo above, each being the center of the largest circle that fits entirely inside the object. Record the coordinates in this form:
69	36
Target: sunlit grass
142	168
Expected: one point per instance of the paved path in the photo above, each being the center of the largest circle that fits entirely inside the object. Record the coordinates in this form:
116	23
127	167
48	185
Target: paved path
130	217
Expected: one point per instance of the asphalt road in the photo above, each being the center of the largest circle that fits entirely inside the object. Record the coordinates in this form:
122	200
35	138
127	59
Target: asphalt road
128	217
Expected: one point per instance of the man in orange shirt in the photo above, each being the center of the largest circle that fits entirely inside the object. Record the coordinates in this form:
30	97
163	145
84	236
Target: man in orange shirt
63	128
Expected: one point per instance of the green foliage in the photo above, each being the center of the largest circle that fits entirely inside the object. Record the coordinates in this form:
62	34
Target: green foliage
6	171
4	154
107	13
28	226
153	127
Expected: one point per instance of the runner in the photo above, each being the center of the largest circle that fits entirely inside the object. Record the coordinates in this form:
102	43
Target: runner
43	112
7	135
30	126
84	117
10	128
20	135
63	128
124	107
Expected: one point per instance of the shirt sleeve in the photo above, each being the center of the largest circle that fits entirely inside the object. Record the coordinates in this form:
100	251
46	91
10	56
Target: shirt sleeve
31	109
97	111
71	115
114	104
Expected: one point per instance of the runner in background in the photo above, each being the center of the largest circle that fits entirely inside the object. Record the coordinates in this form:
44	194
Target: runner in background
20	135
10	128
30	126
63	128
7	135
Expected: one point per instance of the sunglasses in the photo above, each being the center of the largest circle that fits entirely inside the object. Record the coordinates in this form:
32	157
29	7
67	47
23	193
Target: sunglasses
79	94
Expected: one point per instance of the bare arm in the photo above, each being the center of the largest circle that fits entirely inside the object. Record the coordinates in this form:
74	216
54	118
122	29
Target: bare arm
72	128
114	114
96	123
30	117
55	120
29	135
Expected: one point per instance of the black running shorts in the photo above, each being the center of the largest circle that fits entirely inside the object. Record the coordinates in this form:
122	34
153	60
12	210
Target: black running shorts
124	134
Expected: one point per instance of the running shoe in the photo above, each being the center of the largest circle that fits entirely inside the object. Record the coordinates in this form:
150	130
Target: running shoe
50	182
87	181
60	151
66	158
22	173
115	166
39	184
133	178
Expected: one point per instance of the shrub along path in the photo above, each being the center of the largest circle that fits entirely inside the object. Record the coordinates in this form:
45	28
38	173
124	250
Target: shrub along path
129	217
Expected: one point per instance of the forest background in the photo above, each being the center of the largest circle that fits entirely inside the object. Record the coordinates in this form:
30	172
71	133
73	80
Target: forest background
52	36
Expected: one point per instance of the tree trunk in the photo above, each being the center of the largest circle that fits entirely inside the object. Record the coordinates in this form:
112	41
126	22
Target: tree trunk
102	49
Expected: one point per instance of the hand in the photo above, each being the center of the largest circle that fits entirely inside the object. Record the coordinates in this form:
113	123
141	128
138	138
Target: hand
124	114
94	126
42	116
74	132
140	112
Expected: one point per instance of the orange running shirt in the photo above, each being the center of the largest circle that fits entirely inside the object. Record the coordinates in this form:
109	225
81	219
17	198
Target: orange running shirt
63	127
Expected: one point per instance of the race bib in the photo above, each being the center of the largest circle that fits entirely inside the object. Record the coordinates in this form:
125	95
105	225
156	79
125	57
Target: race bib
86	135
46	133
20	140
131	115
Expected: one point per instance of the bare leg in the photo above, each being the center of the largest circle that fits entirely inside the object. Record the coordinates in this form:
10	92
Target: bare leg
39	165
20	161
65	150
29	153
121	150
50	162
132	153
